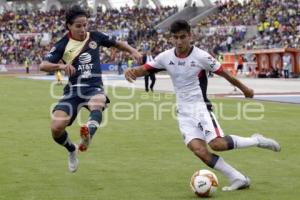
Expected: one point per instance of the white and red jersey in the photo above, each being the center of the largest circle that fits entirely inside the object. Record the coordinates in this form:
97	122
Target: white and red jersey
184	72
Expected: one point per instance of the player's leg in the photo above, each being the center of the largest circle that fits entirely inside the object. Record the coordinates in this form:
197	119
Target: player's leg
197	138
237	179
146	83
153	79
60	120
198	131
96	104
63	115
236	142
221	143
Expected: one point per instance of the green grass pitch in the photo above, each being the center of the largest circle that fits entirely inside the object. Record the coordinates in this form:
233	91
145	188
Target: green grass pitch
135	159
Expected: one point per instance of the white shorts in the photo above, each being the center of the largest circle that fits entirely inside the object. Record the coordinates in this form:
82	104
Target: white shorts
202	125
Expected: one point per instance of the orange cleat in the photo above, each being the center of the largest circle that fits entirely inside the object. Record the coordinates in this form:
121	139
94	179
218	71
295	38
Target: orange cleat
85	138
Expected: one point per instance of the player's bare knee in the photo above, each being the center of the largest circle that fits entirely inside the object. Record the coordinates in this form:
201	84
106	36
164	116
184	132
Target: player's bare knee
57	129
97	107
218	144
97	102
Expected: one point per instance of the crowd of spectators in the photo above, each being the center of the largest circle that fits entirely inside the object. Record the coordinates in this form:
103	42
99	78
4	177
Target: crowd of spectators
277	22
278	26
134	25
22	32
227	26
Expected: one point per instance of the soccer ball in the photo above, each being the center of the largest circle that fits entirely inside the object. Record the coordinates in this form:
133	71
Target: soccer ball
204	183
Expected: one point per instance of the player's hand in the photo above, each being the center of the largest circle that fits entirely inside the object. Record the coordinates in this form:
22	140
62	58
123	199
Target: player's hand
130	75
249	93
69	69
137	56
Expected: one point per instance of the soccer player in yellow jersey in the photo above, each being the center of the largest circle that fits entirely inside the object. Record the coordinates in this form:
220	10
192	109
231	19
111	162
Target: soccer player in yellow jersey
79	51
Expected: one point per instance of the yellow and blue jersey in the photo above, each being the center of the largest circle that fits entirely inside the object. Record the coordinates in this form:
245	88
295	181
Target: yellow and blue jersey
84	56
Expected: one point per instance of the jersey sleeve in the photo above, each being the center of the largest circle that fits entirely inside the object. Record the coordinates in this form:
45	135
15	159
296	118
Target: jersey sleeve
155	65
55	54
210	63
105	40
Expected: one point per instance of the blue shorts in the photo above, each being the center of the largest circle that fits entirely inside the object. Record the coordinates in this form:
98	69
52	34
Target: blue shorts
74	100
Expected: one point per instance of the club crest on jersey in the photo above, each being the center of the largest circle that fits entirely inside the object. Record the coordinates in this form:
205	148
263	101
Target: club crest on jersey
212	62
93	45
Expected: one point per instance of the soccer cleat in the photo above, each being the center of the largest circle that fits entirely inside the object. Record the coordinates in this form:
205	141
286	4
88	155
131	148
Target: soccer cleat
73	161
237	184
266	143
85	138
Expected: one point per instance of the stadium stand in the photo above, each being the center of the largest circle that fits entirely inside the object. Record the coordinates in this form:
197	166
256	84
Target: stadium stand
278	27
22	32
230	26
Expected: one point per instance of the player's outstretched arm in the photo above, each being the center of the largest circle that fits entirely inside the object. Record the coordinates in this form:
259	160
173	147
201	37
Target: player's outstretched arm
248	92
132	73
52	67
126	47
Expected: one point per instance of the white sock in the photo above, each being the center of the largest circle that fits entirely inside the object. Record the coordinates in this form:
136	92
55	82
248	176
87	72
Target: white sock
243	142
226	169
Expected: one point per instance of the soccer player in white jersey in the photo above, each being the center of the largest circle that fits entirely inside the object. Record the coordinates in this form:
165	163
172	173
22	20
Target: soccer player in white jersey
197	125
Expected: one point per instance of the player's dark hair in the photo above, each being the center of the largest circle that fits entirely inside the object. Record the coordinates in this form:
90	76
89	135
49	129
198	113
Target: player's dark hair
180	25
74	12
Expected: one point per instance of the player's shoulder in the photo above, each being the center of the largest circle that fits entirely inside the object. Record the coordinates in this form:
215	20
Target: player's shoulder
200	52
166	53
59	46
63	41
100	36
97	34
